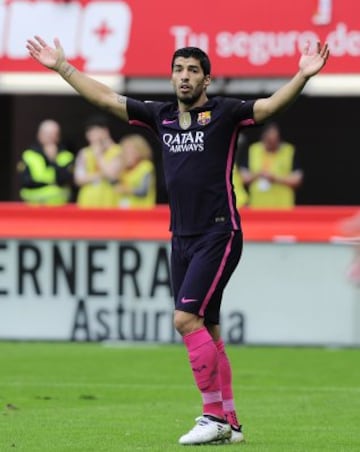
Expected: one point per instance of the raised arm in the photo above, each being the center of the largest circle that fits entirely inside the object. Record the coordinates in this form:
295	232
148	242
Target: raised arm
309	65
95	92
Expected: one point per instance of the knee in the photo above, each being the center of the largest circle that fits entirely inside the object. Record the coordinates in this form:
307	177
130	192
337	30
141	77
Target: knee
214	331
186	323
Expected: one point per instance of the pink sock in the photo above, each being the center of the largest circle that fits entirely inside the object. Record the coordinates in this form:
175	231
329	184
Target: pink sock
203	358
226	385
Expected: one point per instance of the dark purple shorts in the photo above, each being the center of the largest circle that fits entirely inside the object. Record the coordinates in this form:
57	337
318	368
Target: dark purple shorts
201	266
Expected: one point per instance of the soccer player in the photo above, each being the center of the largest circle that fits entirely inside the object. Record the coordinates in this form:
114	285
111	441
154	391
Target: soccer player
198	136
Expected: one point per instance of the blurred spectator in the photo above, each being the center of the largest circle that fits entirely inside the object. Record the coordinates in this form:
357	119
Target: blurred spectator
271	171
136	187
97	166
46	168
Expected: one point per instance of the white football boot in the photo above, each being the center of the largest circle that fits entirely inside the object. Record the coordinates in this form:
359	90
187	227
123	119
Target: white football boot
208	430
237	436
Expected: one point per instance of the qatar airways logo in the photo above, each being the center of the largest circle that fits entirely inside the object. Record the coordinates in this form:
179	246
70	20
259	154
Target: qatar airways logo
97	32
184	141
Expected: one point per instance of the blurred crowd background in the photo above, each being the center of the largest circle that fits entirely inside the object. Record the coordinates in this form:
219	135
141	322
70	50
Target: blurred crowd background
251	55
323	130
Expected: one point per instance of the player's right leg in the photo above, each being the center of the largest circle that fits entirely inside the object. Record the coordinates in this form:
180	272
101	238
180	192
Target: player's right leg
211	427
207	430
207	271
211	322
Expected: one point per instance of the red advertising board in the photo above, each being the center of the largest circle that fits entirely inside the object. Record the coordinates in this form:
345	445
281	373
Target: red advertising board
138	37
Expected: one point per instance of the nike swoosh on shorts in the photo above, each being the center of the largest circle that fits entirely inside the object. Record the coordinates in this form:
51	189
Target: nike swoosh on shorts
188	300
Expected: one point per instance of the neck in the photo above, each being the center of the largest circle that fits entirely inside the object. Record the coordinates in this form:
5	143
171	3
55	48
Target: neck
198	103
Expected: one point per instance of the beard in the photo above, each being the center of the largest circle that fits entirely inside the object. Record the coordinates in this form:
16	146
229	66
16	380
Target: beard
189	99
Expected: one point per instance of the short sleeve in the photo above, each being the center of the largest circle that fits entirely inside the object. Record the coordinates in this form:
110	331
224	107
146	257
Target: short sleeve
141	113
242	111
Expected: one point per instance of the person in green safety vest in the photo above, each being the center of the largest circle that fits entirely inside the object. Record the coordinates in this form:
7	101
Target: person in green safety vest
46	168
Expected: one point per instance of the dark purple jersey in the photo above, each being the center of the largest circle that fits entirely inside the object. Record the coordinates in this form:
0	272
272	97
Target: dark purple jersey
198	156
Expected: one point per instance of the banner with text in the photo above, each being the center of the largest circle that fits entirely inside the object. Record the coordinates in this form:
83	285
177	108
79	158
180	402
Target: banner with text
137	38
90	291
121	291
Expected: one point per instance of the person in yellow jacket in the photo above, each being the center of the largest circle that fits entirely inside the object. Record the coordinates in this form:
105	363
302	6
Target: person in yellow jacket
271	171
97	166
46	168
136	187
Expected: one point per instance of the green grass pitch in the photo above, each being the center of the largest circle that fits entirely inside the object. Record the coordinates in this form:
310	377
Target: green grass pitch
92	397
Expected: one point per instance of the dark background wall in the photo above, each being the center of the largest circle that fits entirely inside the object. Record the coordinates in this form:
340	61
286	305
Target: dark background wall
6	150
324	130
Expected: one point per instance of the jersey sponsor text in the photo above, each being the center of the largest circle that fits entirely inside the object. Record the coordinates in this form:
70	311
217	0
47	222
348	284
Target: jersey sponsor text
184	141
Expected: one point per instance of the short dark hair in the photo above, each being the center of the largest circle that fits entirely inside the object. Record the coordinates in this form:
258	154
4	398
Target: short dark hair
96	121
193	52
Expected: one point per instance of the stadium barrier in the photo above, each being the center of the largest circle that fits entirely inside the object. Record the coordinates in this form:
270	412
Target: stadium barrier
304	224
74	274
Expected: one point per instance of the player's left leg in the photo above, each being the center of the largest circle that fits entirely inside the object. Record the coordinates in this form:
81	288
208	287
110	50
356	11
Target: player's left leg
225	372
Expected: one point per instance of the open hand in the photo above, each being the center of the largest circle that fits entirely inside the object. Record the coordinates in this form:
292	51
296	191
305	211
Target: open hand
51	57
312	62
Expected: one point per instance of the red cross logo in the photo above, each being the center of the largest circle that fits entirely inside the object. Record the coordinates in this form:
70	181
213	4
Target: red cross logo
103	31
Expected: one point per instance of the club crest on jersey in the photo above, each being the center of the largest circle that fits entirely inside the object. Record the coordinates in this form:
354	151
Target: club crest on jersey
204	118
185	120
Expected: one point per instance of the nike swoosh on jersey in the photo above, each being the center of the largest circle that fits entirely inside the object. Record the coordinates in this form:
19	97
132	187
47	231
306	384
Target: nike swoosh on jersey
188	300
168	121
